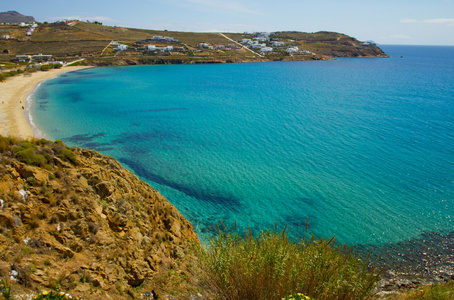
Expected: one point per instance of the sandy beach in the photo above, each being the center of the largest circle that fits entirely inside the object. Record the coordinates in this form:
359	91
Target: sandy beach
13	96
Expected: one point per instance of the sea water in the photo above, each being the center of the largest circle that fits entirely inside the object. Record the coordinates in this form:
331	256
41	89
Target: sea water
363	148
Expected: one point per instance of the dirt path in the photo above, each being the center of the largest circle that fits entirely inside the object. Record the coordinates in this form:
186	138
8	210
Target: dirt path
240	45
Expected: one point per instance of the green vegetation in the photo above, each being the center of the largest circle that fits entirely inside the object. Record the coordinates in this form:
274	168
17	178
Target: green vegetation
271	266
41	153
6	290
50	66
443	291
18	71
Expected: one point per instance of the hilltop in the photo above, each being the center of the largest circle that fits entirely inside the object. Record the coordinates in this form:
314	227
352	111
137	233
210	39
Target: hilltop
109	45
14	17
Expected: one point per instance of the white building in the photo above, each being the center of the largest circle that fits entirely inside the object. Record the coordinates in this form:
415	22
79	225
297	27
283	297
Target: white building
166	49
292	50
262	39
121	48
246	41
42	57
204	45
151	48
23	58
277	44
6	37
254	46
266	49
157	38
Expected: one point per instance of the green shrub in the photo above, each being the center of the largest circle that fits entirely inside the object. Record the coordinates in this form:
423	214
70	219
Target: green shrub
67	154
5	144
270	266
28	156
6	290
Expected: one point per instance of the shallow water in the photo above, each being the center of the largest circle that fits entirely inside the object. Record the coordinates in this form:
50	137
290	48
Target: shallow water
364	148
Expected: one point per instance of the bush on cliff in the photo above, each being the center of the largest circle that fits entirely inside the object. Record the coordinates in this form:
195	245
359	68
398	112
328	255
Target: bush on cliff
271	266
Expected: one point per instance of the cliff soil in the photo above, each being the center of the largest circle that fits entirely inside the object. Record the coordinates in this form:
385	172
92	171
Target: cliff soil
74	220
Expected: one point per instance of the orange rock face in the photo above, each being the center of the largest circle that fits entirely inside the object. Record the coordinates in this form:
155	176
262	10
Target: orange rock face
83	224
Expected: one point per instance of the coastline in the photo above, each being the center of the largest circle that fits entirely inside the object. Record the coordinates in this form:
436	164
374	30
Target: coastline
13	101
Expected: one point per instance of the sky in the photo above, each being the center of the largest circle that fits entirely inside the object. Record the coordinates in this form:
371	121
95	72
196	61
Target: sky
404	22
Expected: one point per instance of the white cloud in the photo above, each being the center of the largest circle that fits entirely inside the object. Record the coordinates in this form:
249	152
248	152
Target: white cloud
225	5
429	21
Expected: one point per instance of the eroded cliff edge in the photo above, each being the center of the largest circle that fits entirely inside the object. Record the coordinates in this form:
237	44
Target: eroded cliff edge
75	220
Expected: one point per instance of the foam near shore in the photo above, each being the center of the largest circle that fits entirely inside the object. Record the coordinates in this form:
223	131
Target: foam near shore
13	101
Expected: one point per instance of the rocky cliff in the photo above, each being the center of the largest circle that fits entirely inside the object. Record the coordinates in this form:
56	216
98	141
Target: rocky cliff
74	220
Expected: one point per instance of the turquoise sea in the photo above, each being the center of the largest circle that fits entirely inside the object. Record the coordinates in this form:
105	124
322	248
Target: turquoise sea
362	147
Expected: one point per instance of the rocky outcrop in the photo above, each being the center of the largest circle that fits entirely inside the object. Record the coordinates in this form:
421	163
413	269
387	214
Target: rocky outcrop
77	221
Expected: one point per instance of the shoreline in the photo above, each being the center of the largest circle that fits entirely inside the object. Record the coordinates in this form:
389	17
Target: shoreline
14	104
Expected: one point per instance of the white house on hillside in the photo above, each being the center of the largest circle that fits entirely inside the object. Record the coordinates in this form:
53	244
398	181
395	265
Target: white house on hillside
42	57
266	49
121	48
277	44
254	46
23	58
262	39
292	50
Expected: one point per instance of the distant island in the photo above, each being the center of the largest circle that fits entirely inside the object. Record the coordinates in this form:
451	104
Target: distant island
22	38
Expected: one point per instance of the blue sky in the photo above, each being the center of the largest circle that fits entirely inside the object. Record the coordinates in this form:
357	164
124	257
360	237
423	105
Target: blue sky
413	22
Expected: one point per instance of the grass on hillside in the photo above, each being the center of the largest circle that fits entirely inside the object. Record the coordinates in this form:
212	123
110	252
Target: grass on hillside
271	266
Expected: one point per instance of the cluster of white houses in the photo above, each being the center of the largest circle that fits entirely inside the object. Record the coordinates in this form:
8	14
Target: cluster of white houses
149	47
155	48
29	32
208	46
260	42
121	47
31	27
165	38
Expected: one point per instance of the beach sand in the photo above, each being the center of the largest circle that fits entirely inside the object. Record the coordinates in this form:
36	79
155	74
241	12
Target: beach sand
13	97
